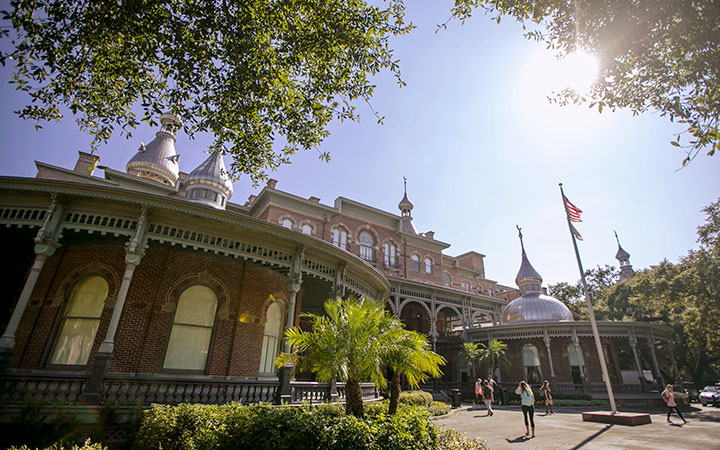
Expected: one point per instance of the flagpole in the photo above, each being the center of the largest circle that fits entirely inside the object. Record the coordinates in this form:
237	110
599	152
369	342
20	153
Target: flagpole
593	323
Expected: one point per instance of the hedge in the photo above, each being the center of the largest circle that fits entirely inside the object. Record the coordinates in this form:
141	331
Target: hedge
417	398
256	427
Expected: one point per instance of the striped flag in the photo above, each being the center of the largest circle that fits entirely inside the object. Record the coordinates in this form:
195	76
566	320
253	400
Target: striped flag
572	211
575	233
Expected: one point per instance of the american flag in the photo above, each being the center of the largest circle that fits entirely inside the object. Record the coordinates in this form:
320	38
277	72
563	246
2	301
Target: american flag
572	211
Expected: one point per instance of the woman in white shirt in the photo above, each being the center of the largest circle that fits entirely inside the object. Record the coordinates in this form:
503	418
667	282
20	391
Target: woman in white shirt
527	403
669	396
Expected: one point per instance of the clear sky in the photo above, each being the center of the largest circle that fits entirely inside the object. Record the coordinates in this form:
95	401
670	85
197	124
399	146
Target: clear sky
482	149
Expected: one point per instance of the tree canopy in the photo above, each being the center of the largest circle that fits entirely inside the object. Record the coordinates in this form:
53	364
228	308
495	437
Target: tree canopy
685	296
264	77
658	55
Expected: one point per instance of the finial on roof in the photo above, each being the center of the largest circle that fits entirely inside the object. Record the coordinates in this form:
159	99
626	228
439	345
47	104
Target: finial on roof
406	207
405	184
522	246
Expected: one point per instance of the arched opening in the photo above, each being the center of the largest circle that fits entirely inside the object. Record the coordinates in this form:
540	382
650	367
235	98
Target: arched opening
80	324
415	318
531	364
272	338
189	343
578	368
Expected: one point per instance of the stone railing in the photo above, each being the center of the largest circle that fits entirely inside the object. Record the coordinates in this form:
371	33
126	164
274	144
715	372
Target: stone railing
57	387
147	390
65	387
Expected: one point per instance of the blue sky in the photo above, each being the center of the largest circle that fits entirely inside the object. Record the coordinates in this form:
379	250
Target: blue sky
482	149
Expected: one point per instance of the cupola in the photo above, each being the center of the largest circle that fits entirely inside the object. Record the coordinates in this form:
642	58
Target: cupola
158	160
406	207
209	184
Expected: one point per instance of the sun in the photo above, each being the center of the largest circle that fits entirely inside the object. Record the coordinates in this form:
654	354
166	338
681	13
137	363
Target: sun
542	75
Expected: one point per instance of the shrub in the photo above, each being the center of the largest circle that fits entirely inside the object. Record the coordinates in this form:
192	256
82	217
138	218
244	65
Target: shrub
86	446
452	440
418	398
438	408
256	427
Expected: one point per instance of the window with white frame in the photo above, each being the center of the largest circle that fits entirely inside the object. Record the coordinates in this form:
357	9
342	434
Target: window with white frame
272	337
416	263
287	223
390	254
307	228
446	279
366	245
189	343
428	265
80	324
340	238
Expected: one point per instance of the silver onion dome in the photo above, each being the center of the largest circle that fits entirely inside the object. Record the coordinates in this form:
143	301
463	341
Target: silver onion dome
533	306
158	160
209	183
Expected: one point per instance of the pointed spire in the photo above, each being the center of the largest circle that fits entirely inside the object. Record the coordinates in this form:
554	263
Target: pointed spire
626	269
158	160
406	207
528	279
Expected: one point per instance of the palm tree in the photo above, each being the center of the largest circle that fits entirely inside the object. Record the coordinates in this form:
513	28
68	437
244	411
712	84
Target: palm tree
471	354
348	343
408	353
494	355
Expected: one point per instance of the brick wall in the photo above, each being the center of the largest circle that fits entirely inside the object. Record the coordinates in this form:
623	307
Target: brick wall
243	291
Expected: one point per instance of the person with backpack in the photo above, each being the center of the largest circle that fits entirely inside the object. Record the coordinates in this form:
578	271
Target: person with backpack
527	403
487	394
668	396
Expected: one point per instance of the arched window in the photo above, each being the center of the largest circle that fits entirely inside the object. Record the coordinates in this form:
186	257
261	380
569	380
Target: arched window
307	228
416	262
577	363
466	286
287	223
428	265
446	279
390	254
366	245
340	238
271	338
81	321
531	363
189	342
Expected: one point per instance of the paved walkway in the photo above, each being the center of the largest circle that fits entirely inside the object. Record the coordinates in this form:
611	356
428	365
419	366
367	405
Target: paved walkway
566	430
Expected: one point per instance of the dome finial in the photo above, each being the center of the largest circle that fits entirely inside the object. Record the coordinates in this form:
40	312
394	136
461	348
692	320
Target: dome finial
522	246
626	269
406	207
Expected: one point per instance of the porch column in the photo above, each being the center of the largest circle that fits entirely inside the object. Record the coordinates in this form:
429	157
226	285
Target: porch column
92	394
284	395
46	241
578	352
676	371
546	338
651	346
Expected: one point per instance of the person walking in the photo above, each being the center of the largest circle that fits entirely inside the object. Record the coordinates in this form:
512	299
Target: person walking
478	390
527	403
487	394
494	387
668	396
545	389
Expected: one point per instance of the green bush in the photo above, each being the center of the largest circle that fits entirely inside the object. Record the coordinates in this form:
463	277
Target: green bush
438	408
86	446
256	427
417	398
452	440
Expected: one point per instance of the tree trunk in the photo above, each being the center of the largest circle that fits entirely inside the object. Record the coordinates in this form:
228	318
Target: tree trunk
353	398
394	394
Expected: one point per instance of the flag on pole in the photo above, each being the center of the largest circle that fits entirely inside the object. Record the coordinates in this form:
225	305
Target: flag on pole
575	233
572	211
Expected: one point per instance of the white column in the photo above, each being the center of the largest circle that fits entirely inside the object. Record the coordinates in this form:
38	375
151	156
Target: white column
133	255
42	251
131	262
651	346
293	287
633	345
46	241
546	338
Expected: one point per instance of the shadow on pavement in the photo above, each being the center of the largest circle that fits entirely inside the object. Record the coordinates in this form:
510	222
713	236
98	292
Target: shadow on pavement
593	436
518	439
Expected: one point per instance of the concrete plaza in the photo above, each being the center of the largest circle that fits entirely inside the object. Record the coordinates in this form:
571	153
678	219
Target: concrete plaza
566	430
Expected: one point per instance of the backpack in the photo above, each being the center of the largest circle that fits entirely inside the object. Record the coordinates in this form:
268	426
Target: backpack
487	392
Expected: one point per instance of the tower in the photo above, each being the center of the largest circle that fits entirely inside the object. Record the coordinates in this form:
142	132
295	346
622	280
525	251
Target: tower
158	160
626	269
406	207
209	184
